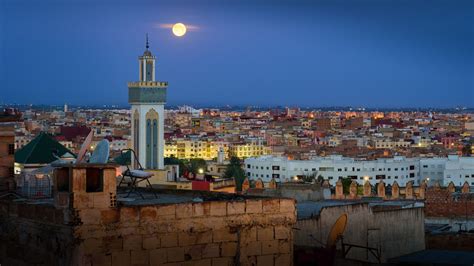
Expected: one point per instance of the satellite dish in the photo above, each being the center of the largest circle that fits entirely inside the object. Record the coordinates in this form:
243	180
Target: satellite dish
85	146
101	152
337	231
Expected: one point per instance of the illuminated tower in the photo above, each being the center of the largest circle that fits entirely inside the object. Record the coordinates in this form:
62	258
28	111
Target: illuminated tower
147	98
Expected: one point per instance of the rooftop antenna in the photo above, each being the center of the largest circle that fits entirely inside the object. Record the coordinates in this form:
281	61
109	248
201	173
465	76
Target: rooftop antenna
85	147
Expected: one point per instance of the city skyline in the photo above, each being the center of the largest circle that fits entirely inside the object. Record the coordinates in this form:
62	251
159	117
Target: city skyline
399	54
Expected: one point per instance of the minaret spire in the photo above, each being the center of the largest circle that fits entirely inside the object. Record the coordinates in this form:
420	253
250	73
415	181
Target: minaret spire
147	44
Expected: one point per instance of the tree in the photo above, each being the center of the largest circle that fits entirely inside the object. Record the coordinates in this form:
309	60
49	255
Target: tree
234	170
310	178
467	150
346	184
320	179
196	164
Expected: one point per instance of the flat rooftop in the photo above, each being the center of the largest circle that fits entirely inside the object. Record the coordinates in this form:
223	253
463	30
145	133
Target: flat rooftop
164	196
311	209
436	257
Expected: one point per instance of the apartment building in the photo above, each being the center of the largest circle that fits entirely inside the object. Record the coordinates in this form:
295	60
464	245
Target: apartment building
332	168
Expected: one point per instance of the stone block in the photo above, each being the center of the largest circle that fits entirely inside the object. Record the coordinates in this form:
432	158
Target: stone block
203	262
253	206
265	233
151	242
270	247
193	252
228	249
265	260
201	209
235	207
223	236
79	180
112	243
166	210
249	234
157	257
186	239
121	258
251	249
102	259
169	240
284	246
175	254
148	214
283	260
287	205
204	237
271	206
282	232
81	201
184	210
110	216
90	216
92	245
101	200
129	215
139	258
211	250
218	208
222	262
132	242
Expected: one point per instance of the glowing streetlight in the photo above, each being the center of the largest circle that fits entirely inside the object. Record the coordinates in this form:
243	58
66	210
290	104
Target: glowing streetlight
201	171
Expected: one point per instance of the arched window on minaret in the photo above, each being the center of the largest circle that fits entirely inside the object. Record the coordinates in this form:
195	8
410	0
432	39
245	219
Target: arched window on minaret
152	139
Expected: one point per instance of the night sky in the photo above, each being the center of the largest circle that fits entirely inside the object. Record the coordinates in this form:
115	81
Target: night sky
378	53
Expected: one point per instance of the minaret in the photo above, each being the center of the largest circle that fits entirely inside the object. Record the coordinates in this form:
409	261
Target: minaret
147	98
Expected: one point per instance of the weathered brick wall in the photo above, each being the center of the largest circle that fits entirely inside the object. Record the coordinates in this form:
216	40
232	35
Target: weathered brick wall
34	234
248	232
245	232
440	202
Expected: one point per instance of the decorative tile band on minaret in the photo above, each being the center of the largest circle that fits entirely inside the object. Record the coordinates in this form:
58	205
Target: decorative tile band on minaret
147	98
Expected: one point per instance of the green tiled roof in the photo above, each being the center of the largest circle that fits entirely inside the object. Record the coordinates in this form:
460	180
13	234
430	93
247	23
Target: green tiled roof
40	150
124	158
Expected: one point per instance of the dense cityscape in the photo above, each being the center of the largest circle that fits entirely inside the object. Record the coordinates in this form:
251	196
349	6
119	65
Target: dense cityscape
215	181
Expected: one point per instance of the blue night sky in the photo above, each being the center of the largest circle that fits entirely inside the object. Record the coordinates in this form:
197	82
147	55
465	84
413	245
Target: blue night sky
379	53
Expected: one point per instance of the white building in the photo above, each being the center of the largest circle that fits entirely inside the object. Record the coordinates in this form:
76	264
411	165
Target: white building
459	170
389	170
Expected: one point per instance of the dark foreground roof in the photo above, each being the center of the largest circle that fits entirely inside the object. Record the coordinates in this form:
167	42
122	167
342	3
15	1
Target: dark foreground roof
40	150
436	257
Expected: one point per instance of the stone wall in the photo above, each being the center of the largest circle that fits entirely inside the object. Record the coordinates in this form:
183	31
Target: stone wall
88	228
34	234
297	191
250	232
367	227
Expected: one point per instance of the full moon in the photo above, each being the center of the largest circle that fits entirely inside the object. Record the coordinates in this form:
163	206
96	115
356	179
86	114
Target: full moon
179	29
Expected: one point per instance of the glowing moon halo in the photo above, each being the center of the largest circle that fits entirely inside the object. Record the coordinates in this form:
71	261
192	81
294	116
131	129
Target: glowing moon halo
179	29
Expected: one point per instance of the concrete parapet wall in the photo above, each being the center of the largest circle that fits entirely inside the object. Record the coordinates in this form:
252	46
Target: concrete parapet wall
395	231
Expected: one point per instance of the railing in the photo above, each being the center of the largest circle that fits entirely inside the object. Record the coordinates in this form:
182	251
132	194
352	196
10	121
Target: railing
148	84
